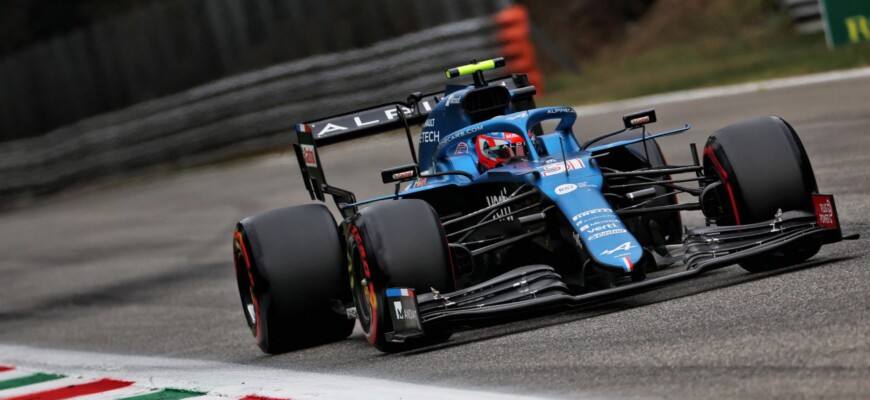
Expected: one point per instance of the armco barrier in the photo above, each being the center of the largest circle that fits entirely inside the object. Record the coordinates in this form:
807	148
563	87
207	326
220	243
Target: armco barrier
241	114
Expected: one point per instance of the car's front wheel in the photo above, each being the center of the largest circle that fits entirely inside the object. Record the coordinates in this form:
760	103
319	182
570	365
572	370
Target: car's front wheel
763	168
397	244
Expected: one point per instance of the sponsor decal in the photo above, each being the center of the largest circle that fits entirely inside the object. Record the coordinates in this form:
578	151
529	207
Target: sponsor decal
420	182
404	306
826	216
606	233
429	123
550	160
559	167
623	247
308	155
565	189
588	223
518	116
453	136
461	148
330	127
580	216
603	227
403	175
430	136
640	120
560	110
360	123
598	220
393	114
406	313
452	99
473	129
500	197
399	312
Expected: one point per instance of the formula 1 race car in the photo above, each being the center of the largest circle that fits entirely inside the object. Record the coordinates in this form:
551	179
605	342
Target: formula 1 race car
500	218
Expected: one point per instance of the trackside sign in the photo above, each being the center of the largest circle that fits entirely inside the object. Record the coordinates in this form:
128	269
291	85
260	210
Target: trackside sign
846	21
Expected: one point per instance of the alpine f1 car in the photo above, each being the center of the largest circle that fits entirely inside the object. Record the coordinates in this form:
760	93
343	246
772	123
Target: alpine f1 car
499	218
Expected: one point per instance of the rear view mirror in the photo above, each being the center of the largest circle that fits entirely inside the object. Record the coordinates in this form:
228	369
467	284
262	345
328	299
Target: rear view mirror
400	174
638	119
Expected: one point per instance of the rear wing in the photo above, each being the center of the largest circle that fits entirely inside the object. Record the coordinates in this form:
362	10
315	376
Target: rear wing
385	117
380	118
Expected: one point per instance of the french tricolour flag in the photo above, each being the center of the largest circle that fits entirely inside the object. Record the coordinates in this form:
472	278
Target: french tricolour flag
626	264
397	292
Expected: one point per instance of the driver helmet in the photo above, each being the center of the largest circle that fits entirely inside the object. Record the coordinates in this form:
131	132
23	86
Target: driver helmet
494	149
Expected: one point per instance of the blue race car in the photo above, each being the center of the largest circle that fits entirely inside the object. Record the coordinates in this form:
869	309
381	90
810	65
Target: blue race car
499	217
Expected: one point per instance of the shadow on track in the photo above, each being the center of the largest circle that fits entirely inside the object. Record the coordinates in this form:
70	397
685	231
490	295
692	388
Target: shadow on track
682	289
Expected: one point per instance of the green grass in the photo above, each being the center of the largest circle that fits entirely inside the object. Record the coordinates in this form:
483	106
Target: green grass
765	49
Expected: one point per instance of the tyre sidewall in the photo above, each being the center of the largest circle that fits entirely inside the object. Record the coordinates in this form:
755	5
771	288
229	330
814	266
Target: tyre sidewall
297	266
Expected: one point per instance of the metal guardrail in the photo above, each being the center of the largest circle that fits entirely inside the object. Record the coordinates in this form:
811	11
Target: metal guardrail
806	14
158	48
240	114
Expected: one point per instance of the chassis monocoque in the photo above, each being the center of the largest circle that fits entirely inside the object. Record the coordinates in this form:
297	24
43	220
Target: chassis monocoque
567	224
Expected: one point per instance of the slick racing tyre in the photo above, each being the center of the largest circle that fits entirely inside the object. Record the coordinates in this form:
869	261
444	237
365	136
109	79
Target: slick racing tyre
396	244
290	267
763	168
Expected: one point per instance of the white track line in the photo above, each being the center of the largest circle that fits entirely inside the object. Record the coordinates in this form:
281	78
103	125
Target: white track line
732	90
14	374
120	393
223	379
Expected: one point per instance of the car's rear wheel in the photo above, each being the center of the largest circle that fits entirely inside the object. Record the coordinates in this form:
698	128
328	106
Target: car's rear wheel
290	267
398	244
763	168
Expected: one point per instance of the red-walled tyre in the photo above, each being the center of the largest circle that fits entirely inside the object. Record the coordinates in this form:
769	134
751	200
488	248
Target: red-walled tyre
290	266
396	244
763	168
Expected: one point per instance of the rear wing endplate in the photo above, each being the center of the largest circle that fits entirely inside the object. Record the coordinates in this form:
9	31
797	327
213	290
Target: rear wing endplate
312	173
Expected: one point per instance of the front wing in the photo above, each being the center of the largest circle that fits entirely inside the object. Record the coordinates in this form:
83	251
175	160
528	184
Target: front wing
536	289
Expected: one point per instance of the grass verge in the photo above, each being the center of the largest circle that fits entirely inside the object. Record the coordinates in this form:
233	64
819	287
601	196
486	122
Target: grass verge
719	46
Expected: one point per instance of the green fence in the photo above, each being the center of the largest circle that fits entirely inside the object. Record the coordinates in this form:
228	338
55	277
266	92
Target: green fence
846	21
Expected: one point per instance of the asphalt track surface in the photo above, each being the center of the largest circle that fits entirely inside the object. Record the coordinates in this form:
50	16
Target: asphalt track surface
144	268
